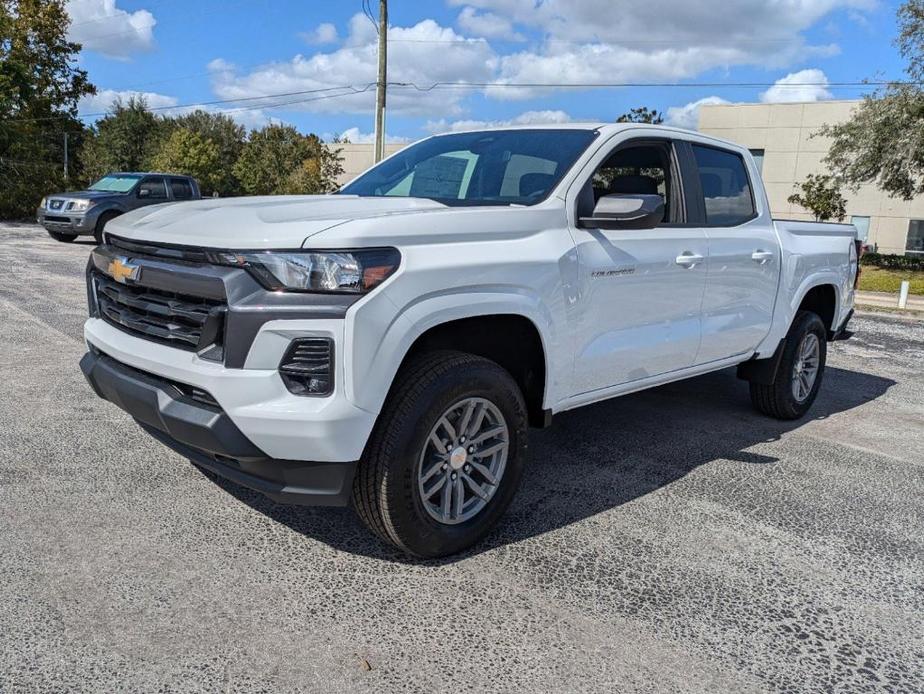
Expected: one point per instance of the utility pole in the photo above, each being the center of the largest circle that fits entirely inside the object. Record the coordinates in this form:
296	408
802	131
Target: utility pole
65	156
380	83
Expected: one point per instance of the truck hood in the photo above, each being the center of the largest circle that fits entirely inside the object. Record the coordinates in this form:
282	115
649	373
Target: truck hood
85	195
256	222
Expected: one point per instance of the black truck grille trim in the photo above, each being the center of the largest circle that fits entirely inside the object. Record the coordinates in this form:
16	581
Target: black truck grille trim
184	254
177	320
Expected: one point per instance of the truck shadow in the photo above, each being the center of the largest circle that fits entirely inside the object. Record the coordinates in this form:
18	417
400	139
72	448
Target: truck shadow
602	456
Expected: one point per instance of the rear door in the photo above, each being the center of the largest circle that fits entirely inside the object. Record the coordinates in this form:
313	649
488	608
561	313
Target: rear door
744	252
640	291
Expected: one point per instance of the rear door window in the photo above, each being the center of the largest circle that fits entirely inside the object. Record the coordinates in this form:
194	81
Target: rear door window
727	192
181	189
155	187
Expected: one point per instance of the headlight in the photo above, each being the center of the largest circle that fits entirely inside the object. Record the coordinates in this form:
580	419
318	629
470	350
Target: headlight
355	271
43	203
80	205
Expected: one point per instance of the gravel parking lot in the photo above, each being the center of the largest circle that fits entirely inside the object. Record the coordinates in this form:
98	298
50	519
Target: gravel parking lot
673	540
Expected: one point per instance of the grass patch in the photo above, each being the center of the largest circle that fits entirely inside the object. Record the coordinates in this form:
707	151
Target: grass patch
874	279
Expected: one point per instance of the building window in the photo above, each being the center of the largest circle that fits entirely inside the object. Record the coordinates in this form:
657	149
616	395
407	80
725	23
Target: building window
915	242
862	225
758	155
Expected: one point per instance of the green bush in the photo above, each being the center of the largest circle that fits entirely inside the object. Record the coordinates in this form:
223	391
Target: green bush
893	262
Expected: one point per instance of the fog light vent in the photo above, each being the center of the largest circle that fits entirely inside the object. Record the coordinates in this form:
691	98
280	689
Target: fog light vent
308	366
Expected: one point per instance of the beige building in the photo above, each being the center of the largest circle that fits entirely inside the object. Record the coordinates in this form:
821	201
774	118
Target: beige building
357	157
780	137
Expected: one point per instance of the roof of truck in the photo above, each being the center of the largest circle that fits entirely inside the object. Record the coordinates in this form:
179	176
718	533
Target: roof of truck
578	125
146	173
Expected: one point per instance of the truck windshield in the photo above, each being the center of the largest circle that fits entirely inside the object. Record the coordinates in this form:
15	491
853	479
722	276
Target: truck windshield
502	167
115	184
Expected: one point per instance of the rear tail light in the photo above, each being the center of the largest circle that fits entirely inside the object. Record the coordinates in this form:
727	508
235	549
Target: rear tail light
307	368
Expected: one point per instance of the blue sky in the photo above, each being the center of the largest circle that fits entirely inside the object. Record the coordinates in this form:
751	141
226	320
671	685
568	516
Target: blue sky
181	53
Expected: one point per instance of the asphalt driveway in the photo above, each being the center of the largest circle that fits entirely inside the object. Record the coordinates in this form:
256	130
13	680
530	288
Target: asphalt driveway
673	540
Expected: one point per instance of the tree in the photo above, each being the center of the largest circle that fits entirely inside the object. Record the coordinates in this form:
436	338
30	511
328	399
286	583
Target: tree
881	143
125	139
228	138
821	195
188	152
40	86
277	160
642	115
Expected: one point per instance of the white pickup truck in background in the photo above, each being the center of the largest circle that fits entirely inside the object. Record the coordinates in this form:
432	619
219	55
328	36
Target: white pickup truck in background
390	346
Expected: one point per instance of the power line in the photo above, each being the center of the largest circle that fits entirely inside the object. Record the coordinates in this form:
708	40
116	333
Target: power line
653	85
350	90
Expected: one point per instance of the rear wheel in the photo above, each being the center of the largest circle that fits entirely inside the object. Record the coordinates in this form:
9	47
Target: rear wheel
800	372
64	238
101	223
446	455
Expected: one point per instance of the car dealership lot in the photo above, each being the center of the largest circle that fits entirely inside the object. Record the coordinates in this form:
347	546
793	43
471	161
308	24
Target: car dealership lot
670	540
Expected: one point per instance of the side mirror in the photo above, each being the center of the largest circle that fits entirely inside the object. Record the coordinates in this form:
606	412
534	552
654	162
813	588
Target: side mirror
144	193
620	211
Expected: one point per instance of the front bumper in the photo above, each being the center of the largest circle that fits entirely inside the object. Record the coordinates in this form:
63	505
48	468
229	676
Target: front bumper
66	223
207	436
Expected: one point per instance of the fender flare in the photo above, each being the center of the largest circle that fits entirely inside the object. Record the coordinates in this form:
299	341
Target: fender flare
374	369
821	279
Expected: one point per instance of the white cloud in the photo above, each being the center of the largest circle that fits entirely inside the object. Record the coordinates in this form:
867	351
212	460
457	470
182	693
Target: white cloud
688	116
421	54
661	40
102	101
487	25
355	136
101	26
527	118
805	85
323	33
583	41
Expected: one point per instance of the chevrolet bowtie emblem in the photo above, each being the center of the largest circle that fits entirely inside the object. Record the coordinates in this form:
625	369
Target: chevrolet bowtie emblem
122	270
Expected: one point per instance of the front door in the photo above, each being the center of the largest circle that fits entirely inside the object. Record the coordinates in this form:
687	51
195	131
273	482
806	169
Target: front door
639	291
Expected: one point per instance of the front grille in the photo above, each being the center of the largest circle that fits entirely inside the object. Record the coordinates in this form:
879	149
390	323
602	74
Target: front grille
55	204
186	322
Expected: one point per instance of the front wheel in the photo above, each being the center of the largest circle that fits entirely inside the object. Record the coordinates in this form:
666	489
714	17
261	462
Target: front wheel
799	375
101	224
446	455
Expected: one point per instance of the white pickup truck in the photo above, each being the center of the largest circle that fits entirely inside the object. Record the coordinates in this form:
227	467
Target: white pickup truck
390	346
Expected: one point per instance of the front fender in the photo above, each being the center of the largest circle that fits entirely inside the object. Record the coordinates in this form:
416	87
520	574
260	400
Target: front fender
379	335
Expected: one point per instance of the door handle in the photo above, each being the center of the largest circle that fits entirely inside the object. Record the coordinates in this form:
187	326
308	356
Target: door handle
762	256
688	260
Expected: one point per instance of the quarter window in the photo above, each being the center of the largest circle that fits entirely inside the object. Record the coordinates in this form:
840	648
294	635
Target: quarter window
726	187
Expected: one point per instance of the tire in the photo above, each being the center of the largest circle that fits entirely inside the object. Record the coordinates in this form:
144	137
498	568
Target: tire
779	399
101	223
388	492
63	238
